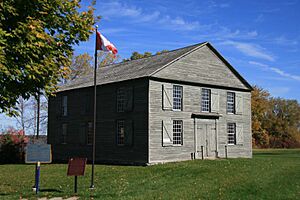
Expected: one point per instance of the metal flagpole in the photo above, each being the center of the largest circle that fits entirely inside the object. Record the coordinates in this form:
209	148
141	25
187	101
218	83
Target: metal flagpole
95	112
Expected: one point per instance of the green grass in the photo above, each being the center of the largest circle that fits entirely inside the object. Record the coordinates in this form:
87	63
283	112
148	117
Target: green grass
271	174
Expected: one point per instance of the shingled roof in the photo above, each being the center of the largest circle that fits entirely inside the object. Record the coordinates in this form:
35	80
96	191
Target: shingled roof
144	67
133	69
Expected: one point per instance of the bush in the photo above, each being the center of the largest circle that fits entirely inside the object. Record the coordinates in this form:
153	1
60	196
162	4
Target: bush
12	146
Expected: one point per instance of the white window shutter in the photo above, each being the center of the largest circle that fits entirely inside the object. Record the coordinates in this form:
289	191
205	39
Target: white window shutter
239	134
167	133
214	101
167	90
239	104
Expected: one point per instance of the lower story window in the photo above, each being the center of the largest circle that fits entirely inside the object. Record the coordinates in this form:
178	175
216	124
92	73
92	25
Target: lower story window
89	136
64	133
231	131
177	131
120	132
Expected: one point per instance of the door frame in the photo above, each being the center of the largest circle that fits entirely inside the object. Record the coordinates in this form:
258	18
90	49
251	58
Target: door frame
213	116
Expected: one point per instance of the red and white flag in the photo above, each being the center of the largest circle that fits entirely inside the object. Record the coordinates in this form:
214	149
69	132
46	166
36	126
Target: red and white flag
103	44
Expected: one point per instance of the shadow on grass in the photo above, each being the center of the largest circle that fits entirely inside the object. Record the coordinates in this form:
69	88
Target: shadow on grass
50	190
3	194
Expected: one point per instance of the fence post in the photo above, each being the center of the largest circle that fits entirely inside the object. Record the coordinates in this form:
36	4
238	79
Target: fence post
226	151
202	155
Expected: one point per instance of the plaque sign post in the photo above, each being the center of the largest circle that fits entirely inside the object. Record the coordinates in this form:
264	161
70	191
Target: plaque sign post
37	154
76	167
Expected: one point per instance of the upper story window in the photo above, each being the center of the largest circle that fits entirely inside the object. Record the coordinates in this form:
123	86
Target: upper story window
205	100
177	132
231	132
177	97
64	106
231	102
121	99
120	132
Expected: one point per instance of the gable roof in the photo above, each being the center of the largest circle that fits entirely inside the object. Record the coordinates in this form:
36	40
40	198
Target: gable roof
144	67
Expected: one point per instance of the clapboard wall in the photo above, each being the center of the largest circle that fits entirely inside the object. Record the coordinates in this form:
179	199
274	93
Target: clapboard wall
192	104
80	112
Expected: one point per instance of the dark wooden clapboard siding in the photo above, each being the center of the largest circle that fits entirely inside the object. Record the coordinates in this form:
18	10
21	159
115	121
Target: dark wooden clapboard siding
106	147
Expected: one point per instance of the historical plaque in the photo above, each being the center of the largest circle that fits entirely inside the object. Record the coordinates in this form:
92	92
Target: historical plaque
76	166
38	153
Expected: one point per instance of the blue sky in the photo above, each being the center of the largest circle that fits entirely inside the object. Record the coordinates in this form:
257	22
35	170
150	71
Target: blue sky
261	39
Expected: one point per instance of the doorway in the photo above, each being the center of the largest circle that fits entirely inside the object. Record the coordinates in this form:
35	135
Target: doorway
206	138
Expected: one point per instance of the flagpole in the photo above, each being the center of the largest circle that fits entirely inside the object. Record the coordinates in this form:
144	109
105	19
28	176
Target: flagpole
95	113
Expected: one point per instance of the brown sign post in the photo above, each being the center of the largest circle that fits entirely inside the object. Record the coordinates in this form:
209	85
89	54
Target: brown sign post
76	167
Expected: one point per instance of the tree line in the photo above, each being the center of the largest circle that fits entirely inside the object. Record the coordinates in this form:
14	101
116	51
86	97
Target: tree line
275	121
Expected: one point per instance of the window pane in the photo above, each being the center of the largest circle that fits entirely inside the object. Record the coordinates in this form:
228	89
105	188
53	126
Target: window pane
90	132
120	100
177	131
230	102
64	133
231	131
205	100
177	97
120	132
65	106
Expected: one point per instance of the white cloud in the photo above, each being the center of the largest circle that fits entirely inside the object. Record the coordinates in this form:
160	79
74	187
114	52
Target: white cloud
178	23
282	40
113	9
258	64
287	75
250	49
276	70
138	15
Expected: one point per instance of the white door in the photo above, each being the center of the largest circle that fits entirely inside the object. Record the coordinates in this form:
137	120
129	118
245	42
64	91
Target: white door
206	138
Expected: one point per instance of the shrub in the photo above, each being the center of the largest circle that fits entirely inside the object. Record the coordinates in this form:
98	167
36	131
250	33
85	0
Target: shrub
12	146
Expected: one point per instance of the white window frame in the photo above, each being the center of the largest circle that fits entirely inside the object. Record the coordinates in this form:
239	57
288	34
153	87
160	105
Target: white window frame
177	97
230	103
121	99
177	132
205	100
64	106
231	133
120	132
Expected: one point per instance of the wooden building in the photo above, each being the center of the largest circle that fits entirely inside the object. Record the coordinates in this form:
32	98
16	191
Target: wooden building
179	105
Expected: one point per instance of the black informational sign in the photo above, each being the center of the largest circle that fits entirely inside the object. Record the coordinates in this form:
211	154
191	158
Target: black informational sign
38	153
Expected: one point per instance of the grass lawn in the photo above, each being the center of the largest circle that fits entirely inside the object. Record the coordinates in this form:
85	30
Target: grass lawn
271	174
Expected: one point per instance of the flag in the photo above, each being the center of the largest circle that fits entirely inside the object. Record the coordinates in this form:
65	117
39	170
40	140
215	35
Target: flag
103	44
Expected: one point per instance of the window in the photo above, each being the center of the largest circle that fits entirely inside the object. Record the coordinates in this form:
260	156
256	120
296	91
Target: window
64	106
90	131
205	100
177	97
231	131
120	132
120	100
64	133
177	132
231	102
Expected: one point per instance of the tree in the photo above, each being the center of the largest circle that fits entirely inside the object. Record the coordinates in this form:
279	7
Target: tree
136	55
36	43
80	66
259	107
